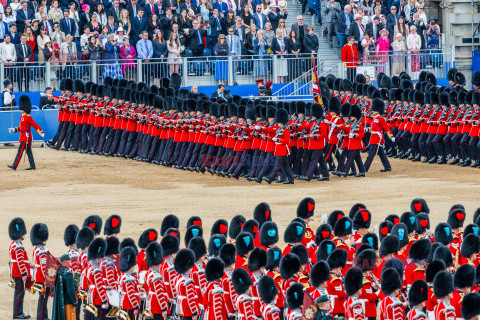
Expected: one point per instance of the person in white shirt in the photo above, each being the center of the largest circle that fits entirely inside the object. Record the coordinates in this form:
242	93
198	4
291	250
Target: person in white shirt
8	55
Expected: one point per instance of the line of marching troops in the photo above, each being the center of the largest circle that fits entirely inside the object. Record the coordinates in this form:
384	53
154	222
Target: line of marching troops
399	270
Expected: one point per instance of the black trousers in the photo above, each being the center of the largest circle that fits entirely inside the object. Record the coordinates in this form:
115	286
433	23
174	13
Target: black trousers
316	157
374	150
266	164
115	141
28	149
42	310
351	74
464	146
18	297
297	163
63	133
129	142
422	144
24	76
69	136
281	162
429	144
59	130
123	141
455	143
438	145
414	143
354	155
447	143
472	146
331	151
77	136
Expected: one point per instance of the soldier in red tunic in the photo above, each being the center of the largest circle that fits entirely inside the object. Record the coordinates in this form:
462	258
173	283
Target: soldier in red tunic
244	303
443	288
293	235
354	306
361	223
391	307
268	291
111	273
215	308
157	299
243	245
305	211
366	259
19	265
418	253
129	286
97	290
82	241
319	278
337	260
343	233
197	245
26	122
471	306
463	280
227	254
417	295
256	266
187	300
38	238
294	300
69	237
170	246
273	270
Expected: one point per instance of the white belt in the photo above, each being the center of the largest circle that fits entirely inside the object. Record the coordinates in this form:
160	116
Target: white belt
13	260
181	297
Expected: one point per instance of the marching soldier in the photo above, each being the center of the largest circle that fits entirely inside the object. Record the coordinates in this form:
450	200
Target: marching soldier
157	294
83	239
26	122
417	296
294	300
391	307
187	303
268	292
443	288
170	246
242	282
353	282
19	265
227	254
129	286
97	299
215	308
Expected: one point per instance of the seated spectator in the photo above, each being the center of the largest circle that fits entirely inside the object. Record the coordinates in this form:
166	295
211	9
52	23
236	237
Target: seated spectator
95	49
94	26
220	92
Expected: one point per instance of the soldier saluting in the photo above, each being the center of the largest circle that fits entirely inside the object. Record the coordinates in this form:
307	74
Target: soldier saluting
26	122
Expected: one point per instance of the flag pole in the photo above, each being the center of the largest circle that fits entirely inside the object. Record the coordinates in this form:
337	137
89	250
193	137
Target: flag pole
315	76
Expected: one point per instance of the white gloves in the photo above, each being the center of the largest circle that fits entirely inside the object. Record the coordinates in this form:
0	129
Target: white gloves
393	139
351	135
11	130
326	121
365	129
41	133
258	127
275	139
333	125
339	136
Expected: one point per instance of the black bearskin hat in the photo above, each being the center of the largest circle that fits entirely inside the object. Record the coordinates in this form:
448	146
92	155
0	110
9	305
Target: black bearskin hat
17	228
176	81
251	226
70	235
422	223
371	239
194	221
408	218
390	281
334	105
154	254
289	265
127	242
470	245
281	116
401	231
362	219
306	208
198	246
418	292
170	245
113	245
355	112
257	259
378	105
236	226
366	260
464	277
127	260
262	213
268	234
346	85
294	232
301	252
173	232
244	243
443	233
294	296
337	259
68	84
220	227
343	227
320	273
228	254
324	250
317	111
396	264
184	261
214	269
353	281
273	258
471	229
84	237
460	78
443	253
384	229
420	249
94	222
97	248
419	205
241	280
432	269
215	243
443	284
390	245
435	246
38	234
334	217
170	221
393	218
324	232
78	86
146	237
456	218
470	305
112	225
385	82
267	289
193	232
345	110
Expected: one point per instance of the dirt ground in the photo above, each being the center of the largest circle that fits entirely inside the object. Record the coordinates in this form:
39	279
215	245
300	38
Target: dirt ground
67	187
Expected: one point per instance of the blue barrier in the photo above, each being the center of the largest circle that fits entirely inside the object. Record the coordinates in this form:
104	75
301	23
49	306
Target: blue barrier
9	119
51	117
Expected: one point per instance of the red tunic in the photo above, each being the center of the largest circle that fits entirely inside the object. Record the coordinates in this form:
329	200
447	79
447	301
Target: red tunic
392	309
187	304
444	311
335	288
20	266
97	293
215	308
169	275
157	295
244	304
130	298
350	56
111	274
40	254
26	122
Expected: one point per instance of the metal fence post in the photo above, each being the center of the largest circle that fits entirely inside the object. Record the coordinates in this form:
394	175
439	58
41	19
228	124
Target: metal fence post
48	74
139	70
93	72
274	68
230	70
2	73
185	72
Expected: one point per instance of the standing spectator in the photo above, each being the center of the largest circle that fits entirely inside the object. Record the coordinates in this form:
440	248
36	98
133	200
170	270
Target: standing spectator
300	28
3	28
357	31
95	49
112	67
329	15
234	50
374	27
204	8
368	48
16	6
38	14
145	52
282	25
57	36
152	8
221	63
401	28
259	19
15	37
171	5
9	17
413	45
421	14
153	26
174	59
115	10
196	36
392	20
350	58
222	7
8	55
294	47
246	15
398	59
47	24
260	66
345	19
383	46
55	13
85	16
84	41
230	21
102	37
67	24
101	15
433	42
184	20
410	10
310	42
133	7
367	6
119	35
268	35
111	24
279	48
52	55
160	52
139	25
24	54
94	25
30	40
274	15
68	52
42	39
76	18
215	24
24	17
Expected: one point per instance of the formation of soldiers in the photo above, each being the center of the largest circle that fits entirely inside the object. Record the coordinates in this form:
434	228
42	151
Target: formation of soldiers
399	270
